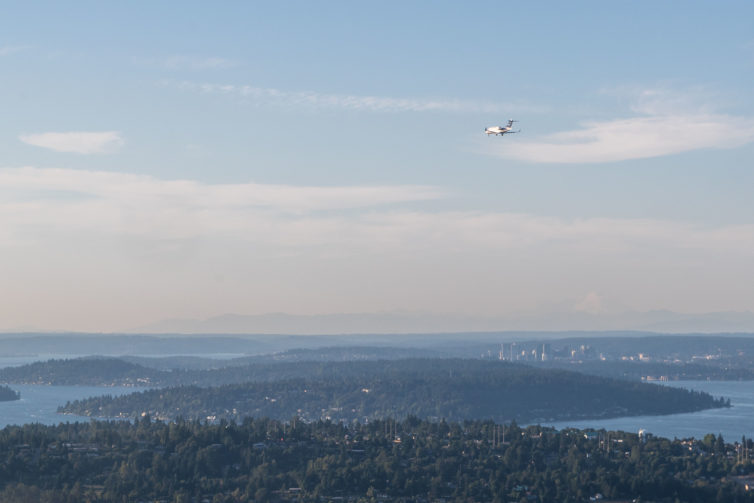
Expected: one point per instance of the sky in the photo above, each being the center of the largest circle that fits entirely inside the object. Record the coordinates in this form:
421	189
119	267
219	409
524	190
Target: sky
163	161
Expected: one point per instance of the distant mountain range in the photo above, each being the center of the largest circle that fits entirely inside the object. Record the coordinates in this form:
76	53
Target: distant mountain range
407	322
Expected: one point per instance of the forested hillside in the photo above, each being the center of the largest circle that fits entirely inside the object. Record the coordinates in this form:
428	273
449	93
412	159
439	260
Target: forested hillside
7	394
269	461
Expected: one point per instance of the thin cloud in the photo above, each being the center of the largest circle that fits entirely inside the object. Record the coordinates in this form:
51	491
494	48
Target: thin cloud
190	195
184	62
104	202
12	49
668	123
194	63
310	99
80	142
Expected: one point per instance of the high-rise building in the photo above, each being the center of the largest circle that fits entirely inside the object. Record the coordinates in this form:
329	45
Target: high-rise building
546	352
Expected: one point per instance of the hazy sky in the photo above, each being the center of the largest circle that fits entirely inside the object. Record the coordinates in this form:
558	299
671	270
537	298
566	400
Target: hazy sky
188	159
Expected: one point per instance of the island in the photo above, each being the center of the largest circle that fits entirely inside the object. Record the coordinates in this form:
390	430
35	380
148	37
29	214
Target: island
450	389
8	395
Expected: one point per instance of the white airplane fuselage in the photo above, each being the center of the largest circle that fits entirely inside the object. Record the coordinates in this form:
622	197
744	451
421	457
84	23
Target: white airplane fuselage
497	130
501	130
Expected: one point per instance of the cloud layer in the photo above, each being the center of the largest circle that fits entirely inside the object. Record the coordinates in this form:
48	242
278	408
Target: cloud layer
80	142
185	195
105	202
102	250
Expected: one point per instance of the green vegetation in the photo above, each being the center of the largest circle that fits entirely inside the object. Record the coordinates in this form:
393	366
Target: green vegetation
449	389
7	394
264	460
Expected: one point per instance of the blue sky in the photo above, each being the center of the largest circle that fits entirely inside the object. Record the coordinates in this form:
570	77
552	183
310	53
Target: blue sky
164	162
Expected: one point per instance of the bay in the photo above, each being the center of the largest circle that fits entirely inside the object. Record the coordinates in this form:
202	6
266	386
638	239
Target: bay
39	403
732	423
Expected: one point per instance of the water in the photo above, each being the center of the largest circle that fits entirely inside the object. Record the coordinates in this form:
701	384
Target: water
731	422
39	404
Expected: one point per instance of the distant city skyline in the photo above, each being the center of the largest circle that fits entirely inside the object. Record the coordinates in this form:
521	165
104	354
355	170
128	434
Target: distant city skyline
317	160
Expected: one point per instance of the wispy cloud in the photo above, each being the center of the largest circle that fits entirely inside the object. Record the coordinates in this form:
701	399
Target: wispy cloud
80	142
12	49
311	99
144	205
190	195
186	62
667	123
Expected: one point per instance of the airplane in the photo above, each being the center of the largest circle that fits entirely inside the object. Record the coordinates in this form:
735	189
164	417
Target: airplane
500	130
